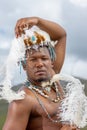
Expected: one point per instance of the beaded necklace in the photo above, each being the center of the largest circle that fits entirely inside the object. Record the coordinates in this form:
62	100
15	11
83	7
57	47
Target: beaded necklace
45	110
35	89
43	93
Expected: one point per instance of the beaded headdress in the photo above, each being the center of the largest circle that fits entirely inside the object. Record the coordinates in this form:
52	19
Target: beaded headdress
33	38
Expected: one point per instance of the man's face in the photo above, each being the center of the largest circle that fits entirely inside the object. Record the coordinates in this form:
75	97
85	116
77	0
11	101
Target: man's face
39	65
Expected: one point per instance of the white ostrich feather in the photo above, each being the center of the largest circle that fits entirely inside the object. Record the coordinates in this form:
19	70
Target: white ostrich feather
8	94
16	53
74	105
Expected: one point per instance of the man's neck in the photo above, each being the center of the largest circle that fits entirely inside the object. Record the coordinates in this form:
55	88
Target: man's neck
38	82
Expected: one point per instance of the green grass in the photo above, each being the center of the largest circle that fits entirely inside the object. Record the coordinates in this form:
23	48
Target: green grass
3	112
2	120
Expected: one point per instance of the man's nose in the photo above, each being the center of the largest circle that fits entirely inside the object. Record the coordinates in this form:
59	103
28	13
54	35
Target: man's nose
39	63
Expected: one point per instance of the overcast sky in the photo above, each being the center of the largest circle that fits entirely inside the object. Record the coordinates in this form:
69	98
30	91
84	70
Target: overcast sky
71	14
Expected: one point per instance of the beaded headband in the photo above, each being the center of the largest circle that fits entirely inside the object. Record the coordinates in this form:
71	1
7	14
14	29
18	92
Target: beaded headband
35	38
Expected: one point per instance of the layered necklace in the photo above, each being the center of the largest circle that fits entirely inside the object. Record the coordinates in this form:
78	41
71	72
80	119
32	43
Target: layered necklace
44	89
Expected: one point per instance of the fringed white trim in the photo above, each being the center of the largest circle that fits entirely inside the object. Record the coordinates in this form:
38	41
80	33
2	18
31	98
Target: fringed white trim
74	105
8	94
16	54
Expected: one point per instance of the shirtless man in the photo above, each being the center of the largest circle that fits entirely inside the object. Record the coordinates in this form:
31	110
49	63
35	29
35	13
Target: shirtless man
39	109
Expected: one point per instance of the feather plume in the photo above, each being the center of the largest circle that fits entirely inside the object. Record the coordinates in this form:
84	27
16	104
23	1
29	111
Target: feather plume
74	106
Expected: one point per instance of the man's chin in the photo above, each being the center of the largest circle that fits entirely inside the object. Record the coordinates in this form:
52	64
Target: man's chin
42	79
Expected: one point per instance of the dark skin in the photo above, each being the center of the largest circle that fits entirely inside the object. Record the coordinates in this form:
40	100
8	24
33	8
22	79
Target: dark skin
35	63
27	114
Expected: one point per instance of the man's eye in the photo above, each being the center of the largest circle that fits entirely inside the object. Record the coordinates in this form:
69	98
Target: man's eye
44	58
33	59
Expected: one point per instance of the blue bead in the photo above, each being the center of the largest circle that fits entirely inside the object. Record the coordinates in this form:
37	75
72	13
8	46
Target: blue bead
33	38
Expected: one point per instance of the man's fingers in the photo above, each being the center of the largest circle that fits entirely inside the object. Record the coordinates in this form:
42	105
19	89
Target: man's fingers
20	28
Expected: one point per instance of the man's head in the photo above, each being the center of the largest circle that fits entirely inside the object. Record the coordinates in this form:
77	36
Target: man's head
38	66
39	55
33	41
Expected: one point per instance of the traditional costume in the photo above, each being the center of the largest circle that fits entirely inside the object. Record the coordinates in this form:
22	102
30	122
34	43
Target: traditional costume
73	108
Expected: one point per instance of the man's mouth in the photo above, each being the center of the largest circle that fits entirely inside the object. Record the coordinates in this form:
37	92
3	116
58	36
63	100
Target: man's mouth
40	72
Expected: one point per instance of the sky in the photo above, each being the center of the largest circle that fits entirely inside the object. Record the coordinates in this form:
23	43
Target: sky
71	14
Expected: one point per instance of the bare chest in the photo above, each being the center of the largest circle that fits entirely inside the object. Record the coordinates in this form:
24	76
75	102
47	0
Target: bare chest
42	115
45	108
44	112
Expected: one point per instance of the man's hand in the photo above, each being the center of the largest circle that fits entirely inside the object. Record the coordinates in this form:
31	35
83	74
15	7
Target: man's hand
25	23
69	127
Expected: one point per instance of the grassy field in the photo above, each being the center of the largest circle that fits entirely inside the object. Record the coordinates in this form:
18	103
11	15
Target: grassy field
3	112
4	106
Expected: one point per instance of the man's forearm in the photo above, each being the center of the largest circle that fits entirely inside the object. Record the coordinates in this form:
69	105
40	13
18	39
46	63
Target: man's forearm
68	127
55	30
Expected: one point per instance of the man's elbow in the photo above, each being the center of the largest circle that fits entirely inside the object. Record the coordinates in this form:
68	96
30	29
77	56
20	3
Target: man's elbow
9	127
6	128
64	34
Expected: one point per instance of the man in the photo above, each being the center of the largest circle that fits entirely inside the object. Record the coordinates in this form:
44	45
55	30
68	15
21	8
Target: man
40	108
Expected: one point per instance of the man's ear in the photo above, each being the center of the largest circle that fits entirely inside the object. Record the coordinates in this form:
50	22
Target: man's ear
24	65
52	64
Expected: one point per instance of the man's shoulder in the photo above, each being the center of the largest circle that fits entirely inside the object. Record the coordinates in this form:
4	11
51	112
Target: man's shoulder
26	90
22	104
29	96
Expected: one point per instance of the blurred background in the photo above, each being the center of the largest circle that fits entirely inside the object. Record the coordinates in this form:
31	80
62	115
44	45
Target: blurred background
71	14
